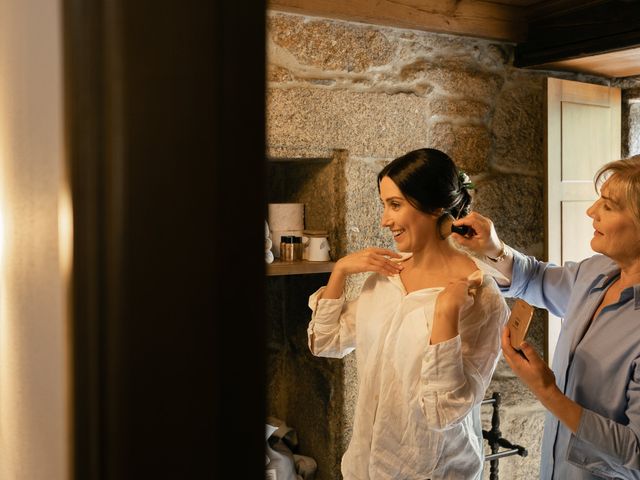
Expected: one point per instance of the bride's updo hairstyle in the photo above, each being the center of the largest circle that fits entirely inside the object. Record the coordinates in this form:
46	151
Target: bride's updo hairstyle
430	180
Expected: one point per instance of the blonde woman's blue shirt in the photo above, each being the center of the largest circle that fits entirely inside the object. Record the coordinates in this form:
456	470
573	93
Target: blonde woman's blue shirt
596	363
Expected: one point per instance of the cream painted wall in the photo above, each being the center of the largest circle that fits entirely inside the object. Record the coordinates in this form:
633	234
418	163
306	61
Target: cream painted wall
34	364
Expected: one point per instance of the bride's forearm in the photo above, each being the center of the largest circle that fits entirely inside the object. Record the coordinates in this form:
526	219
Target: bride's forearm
445	325
335	285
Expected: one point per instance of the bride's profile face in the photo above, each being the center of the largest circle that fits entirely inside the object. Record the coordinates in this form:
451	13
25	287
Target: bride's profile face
409	226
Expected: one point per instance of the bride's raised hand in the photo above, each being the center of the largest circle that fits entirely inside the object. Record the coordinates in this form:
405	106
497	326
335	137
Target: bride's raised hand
451	302
372	259
458	296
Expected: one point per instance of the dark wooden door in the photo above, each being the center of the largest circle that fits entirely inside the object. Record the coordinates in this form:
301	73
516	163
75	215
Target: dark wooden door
165	137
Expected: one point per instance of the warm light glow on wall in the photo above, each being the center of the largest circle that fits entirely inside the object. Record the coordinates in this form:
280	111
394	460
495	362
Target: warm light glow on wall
35	347
2	233
65	231
3	153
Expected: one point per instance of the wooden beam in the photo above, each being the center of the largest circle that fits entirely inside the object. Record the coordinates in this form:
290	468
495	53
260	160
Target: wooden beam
620	64
545	9
596	29
475	18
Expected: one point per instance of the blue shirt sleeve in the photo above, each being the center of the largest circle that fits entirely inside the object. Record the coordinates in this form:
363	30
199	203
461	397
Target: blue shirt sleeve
542	284
616	444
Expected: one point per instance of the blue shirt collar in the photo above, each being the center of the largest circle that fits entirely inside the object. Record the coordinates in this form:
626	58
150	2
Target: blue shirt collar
603	280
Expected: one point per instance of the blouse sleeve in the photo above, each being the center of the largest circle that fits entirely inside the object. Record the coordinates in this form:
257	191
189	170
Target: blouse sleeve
456	373
332	329
614	444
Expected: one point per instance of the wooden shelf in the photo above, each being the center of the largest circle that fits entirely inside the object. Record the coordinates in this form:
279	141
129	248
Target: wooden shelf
298	268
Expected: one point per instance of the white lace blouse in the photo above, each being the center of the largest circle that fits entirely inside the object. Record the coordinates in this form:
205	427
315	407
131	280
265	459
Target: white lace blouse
417	413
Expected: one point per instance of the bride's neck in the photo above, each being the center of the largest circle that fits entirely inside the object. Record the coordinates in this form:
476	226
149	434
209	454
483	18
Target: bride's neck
434	253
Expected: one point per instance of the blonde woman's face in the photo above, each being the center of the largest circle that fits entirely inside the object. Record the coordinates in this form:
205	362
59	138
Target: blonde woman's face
616	234
409	226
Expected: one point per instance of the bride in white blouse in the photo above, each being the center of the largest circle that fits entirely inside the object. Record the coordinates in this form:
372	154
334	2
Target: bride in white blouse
425	327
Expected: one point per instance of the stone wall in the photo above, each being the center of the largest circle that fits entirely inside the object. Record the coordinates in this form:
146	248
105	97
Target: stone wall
358	96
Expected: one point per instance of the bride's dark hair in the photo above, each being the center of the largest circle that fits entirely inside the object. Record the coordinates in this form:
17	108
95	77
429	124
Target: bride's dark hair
429	180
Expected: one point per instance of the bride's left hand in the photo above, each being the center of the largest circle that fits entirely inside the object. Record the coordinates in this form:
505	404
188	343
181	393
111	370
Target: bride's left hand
451	302
458	296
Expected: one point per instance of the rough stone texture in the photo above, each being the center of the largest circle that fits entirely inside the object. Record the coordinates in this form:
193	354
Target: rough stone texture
442	106
366	124
363	207
517	129
633	141
487	55
631	117
302	389
279	74
457	80
321	185
515	204
468	145
350	387
521	426
331	45
374	93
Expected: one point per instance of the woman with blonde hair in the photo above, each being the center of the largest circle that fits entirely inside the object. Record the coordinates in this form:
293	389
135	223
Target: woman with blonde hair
592	394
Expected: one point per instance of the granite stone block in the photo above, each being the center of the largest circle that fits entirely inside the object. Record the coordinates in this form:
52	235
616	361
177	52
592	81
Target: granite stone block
517	129
515	203
469	146
365	124
331	45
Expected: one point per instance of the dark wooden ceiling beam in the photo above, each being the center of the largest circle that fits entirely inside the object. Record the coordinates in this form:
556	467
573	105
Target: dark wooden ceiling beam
546	9
595	29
